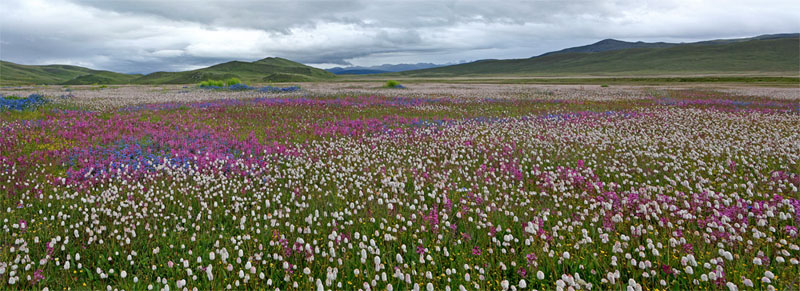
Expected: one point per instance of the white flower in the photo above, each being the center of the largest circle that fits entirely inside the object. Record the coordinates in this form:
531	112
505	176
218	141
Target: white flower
504	284
523	284
540	275
566	255
123	274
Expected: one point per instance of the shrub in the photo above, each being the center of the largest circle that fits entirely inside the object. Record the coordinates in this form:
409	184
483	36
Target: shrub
604	85
212	83
232	81
393	84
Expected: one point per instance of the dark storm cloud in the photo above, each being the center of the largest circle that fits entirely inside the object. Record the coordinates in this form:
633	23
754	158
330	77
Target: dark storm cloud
146	36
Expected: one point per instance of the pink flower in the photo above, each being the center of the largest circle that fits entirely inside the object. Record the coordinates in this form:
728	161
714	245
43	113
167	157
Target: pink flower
531	258
420	249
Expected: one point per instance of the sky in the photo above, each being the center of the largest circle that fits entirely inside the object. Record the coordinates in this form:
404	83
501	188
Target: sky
147	36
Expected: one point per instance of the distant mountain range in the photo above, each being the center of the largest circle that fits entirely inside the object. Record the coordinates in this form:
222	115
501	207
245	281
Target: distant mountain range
357	70
765	54
774	53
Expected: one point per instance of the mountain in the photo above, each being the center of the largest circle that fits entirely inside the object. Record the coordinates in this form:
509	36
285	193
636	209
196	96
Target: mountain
264	70
611	45
381	69
16	74
762	54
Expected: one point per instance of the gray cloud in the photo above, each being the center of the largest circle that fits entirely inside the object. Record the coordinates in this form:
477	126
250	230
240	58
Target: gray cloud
146	36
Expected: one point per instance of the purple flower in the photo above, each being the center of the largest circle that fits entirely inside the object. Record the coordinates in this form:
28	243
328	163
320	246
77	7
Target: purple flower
522	272
476	251
531	258
688	248
420	250
38	275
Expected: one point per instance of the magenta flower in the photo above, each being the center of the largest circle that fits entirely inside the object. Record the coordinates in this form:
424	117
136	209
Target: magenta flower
688	248
522	271
476	251
38	275
531	258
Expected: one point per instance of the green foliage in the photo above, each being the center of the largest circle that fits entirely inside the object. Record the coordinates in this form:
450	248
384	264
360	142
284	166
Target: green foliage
212	83
391	84
232	81
604	85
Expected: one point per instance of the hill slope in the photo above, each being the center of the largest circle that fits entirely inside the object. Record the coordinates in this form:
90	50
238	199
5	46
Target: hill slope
264	70
357	70
16	74
756	55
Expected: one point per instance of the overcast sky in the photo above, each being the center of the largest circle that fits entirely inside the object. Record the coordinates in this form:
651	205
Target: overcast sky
148	36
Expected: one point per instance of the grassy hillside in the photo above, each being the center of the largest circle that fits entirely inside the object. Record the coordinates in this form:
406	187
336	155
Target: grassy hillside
265	70
261	71
15	74
753	56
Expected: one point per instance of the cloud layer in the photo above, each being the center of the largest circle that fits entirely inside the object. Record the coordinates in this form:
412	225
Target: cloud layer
147	36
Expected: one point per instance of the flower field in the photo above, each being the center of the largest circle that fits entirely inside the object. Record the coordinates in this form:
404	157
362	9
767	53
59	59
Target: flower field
491	187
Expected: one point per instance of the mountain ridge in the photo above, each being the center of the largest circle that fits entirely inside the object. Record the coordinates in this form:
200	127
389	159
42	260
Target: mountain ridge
768	53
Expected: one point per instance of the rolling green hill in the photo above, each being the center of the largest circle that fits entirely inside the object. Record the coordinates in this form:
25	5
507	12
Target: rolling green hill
16	74
264	70
752	56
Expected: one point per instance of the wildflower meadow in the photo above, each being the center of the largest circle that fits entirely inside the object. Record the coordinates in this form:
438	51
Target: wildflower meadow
428	187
